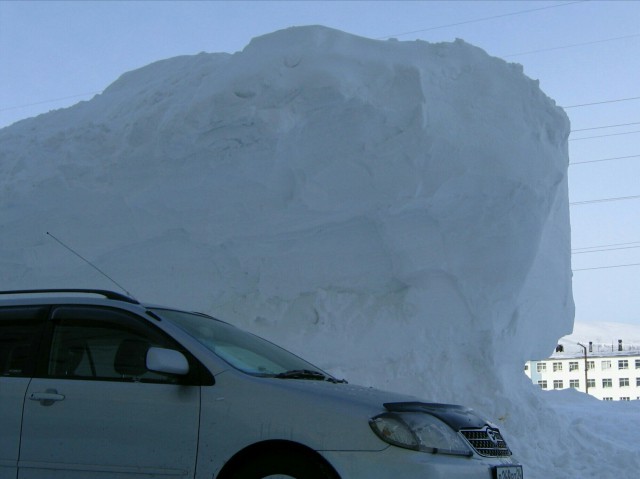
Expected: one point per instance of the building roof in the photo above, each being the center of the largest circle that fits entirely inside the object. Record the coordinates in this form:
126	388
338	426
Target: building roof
601	353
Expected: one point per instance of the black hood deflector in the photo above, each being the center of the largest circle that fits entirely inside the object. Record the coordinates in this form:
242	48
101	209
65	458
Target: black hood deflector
457	417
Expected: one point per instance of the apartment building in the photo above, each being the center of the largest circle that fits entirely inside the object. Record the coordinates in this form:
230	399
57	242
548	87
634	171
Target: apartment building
607	375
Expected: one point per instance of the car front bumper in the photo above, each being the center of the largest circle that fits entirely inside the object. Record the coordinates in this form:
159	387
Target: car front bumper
394	462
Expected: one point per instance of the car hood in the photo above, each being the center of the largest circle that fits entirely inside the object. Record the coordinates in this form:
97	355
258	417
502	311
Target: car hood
375	401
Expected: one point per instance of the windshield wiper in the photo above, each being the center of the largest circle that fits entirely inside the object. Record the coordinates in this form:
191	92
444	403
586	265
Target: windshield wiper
307	374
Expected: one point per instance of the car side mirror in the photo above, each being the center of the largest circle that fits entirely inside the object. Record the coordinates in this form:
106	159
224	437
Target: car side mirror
167	361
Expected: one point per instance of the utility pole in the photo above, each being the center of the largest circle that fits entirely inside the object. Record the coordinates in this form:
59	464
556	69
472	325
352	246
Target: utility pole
586	367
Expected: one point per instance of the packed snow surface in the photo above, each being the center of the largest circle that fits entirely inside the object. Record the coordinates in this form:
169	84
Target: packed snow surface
396	212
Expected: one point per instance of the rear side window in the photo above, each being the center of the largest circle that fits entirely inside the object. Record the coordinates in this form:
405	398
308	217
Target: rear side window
20	334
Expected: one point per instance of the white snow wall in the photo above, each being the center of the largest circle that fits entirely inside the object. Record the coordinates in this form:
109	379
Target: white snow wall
396	212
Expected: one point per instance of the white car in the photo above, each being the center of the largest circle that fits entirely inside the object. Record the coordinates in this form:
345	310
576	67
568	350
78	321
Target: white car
94	384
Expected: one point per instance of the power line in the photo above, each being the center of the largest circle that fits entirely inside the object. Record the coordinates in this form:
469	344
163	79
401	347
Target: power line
601	102
603	159
605	249
603	200
606	126
604	136
478	20
607	267
571	46
606	245
15	107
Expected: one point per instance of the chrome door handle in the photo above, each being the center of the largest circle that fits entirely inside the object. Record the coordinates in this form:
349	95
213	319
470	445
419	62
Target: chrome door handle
47	398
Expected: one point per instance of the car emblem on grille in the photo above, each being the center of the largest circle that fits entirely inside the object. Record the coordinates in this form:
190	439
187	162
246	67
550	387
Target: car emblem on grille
493	436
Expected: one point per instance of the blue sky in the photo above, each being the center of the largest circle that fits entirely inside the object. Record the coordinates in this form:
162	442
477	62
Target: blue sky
54	54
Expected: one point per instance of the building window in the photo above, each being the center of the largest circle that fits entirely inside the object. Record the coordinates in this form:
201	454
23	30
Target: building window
607	383
625	399
591	383
605	364
573	366
557	366
607	399
574	383
542	384
526	367
638	382
624	382
557	384
637	363
623	364
541	367
591	365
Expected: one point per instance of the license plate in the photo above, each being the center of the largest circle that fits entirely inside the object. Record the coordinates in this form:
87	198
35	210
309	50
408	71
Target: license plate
507	472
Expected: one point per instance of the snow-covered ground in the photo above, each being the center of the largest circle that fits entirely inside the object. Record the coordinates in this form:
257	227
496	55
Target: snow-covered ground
396	212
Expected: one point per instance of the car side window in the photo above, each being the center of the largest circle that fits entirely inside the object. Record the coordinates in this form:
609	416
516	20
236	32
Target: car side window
104	344
21	330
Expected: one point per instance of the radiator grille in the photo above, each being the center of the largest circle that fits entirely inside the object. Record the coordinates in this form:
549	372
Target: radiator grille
487	442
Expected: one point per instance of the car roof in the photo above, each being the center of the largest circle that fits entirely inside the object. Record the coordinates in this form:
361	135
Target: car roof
80	296
25	297
66	292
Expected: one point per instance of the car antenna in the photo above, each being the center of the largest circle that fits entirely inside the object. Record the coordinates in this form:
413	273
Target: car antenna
91	264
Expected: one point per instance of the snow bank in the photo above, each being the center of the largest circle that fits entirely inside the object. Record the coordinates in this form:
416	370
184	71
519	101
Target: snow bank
396	212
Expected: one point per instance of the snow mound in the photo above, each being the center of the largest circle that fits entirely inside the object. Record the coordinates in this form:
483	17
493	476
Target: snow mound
396	212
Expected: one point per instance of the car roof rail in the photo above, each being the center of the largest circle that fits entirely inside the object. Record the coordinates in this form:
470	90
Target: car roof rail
102	292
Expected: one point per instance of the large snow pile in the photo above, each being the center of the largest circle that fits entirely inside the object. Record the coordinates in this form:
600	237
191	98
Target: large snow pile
396	212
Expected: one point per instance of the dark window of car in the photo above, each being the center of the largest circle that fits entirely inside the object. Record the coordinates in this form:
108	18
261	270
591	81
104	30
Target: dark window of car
107	344
20	334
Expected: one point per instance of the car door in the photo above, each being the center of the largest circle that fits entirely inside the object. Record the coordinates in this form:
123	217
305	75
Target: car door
20	333
97	412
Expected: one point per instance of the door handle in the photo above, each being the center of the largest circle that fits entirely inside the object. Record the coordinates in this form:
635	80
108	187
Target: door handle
47	398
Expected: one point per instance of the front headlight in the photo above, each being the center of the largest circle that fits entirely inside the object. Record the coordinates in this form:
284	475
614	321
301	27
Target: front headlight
420	432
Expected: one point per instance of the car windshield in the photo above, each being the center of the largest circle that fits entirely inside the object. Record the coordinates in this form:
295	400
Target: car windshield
244	351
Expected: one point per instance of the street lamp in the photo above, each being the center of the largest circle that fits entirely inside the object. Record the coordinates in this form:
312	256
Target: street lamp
586	367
